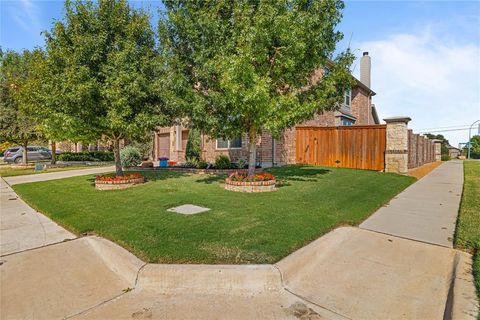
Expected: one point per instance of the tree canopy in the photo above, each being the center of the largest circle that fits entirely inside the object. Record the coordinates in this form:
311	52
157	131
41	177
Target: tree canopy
444	141
245	66
16	124
103	75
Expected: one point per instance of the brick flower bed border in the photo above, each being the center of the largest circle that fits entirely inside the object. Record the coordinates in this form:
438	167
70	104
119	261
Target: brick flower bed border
117	185
250	186
194	170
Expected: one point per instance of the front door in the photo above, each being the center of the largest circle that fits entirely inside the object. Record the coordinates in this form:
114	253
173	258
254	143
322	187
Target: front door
163	145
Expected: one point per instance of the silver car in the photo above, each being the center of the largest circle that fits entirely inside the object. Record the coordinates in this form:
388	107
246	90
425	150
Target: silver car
34	153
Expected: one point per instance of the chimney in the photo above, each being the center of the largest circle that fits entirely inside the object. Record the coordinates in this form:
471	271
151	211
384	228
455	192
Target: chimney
365	66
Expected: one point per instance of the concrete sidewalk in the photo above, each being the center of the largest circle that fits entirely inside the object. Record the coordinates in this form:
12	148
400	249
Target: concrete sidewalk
56	175
22	228
427	210
349	273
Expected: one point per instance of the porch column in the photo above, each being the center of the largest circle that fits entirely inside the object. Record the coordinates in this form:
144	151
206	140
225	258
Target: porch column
396	151
178	138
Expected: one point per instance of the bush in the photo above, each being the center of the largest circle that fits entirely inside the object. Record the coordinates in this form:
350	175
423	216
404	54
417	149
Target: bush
105	156
202	164
193	145
222	162
445	157
191	163
130	157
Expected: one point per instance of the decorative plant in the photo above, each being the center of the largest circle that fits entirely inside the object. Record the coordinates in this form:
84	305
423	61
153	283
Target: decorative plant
111	178
202	164
130	157
222	162
262	176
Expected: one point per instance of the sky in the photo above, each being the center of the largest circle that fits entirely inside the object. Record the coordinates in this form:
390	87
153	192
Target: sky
425	54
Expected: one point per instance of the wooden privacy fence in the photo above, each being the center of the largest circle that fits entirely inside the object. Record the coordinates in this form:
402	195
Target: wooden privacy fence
421	150
358	147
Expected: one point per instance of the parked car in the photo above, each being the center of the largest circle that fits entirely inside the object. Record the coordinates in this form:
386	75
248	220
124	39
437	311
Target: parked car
15	154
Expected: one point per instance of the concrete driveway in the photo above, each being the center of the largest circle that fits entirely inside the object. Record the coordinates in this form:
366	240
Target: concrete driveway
350	273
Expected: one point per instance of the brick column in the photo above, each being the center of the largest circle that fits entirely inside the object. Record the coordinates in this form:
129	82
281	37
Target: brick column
438	149
396	151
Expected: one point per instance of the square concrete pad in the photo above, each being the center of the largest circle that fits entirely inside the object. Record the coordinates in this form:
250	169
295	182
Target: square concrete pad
188	209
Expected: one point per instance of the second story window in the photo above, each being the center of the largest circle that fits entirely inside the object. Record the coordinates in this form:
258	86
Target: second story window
348	98
326	71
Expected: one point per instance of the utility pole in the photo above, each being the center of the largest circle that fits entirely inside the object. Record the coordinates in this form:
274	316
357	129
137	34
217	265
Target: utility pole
470	138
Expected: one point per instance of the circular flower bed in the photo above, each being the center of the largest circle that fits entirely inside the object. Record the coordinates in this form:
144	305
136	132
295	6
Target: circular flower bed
241	182
109	182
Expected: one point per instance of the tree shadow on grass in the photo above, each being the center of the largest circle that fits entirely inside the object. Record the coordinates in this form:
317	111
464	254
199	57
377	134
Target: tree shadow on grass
212	178
287	174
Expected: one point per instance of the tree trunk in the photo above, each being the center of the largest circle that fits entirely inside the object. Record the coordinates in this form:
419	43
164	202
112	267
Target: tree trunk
116	152
252	150
25	154
54	152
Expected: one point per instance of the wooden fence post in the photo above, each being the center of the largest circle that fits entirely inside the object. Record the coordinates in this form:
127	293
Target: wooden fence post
396	151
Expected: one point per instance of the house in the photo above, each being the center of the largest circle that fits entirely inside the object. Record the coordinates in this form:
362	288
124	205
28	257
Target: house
453	152
357	109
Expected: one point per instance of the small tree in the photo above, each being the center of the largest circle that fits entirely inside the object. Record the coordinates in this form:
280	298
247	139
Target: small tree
16	124
192	150
249	66
105	72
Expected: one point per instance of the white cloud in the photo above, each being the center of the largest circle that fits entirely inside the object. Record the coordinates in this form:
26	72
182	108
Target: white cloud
27	15
433	79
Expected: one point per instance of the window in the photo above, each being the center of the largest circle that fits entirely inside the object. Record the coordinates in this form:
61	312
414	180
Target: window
31	149
348	98
229	144
346	122
326	71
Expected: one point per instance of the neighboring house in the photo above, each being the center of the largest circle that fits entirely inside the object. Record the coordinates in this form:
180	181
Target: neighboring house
453	152
357	109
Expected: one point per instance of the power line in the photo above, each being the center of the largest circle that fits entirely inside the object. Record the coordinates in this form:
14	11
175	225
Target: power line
445	130
446	127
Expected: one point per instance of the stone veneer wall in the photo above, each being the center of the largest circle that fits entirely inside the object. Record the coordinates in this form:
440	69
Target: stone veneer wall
406	150
396	151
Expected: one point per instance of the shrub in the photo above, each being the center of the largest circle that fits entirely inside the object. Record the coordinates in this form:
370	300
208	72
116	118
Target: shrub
192	150
445	157
222	162
191	163
202	164
86	156
130	157
75	156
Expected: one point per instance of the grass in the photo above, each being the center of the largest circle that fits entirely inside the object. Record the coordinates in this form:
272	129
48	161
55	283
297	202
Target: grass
467	235
8	171
239	228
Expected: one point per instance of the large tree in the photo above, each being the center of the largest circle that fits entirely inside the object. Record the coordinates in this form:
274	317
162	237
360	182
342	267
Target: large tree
254	65
16	123
41	97
105	75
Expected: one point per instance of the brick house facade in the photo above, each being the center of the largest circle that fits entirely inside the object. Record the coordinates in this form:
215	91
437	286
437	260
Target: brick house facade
357	109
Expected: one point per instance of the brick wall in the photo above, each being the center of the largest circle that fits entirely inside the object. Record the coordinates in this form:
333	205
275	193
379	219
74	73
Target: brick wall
360	107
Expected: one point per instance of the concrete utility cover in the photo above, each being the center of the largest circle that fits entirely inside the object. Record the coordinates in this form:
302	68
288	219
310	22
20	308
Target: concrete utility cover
188	209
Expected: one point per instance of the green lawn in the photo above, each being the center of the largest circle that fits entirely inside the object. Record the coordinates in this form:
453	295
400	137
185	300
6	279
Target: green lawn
467	235
7	171
240	228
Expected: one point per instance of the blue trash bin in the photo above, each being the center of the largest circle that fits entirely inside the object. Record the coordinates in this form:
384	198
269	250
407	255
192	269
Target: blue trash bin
163	162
